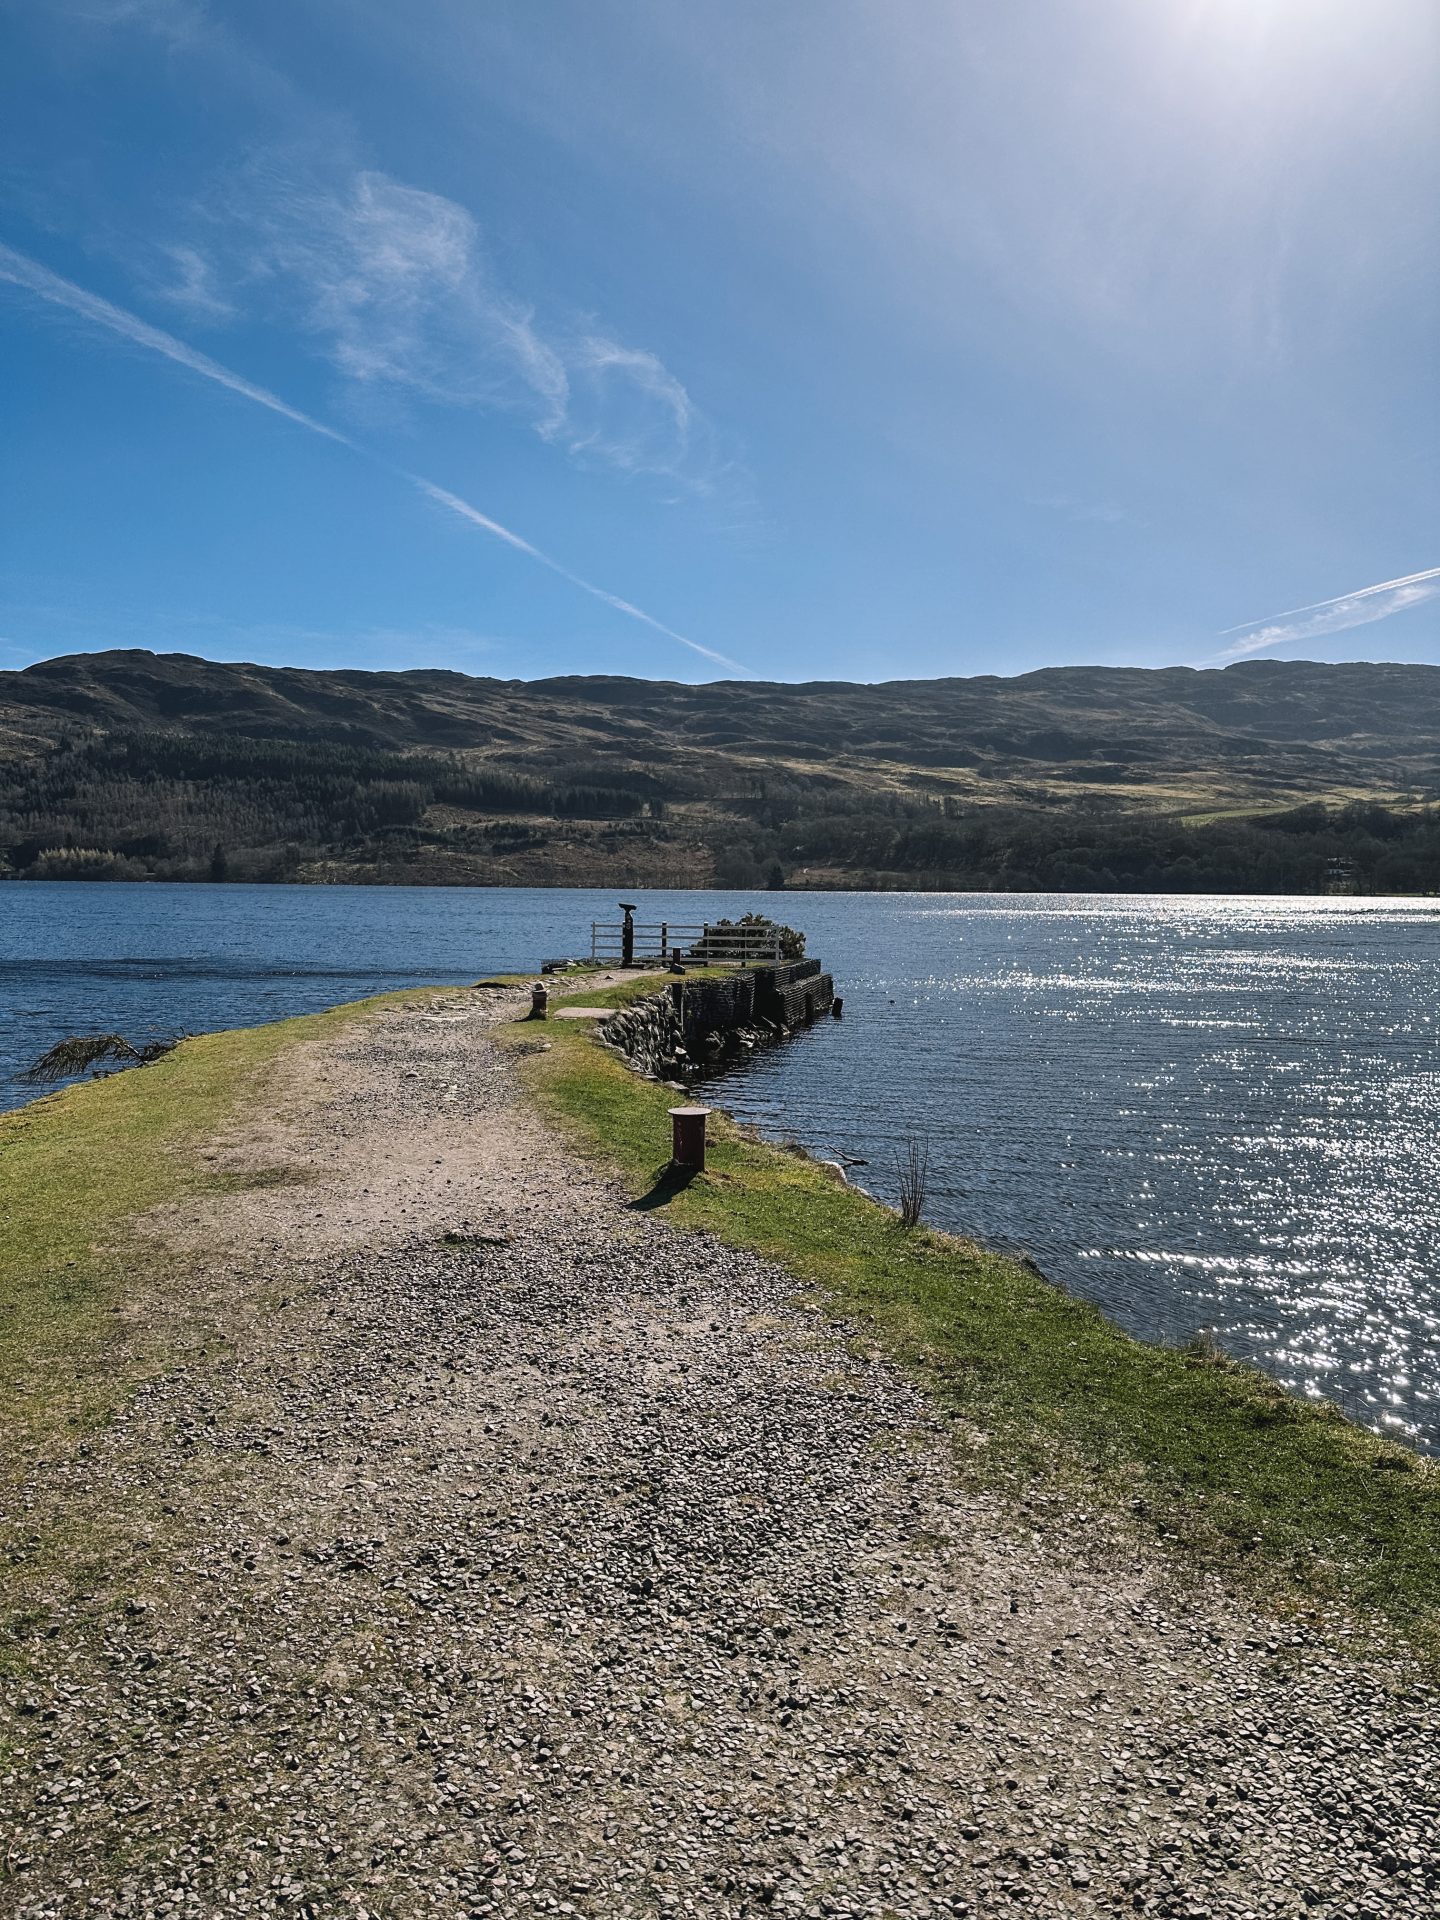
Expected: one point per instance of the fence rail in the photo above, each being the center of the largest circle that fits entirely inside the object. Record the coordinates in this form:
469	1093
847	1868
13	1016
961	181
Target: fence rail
621	943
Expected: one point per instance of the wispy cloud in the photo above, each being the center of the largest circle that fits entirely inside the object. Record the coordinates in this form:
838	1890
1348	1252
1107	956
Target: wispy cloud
190	283
177	22
391	282
1357	609
19	270
630	407
391	285
1100	513
395	287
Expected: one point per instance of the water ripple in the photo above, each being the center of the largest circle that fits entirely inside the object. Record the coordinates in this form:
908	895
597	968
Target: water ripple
1201	1114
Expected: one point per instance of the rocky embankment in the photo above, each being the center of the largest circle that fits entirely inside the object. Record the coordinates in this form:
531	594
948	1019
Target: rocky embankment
691	1025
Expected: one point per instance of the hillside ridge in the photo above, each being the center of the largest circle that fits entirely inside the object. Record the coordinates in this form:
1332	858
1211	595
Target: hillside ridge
133	764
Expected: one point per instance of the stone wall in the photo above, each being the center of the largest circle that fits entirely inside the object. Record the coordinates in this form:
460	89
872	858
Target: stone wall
793	995
694	1024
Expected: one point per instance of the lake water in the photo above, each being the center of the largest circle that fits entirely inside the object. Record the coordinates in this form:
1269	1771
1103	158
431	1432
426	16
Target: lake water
1199	1113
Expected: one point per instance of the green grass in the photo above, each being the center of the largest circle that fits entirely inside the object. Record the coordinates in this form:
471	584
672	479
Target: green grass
1216	1457
640	986
89	1302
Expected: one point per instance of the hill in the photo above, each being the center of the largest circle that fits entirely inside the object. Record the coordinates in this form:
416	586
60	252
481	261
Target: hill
1268	775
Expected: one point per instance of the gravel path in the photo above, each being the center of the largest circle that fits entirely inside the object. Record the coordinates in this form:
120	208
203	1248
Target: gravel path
523	1556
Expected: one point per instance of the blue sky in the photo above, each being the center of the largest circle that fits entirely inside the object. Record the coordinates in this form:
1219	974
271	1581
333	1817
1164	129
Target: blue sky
804	338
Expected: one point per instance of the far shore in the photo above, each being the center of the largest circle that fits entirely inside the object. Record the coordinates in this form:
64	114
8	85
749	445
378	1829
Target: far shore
898	883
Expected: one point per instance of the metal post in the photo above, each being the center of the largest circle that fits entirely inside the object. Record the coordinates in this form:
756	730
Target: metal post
627	935
687	1138
664	942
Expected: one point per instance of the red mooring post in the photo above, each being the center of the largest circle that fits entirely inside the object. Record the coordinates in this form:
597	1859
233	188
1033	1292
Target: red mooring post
687	1138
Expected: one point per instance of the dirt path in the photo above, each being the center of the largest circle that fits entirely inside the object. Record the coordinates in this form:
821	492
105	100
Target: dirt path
524	1556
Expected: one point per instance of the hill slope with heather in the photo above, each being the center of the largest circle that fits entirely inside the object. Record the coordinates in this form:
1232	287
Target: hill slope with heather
1269	775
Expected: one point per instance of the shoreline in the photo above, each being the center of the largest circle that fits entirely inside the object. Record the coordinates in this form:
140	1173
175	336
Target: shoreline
792	886
463	1521
777	1199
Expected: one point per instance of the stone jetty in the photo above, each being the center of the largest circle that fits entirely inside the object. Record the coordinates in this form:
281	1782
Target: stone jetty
689	1025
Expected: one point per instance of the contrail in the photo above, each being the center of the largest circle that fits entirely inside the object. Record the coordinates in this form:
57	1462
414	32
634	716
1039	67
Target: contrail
20	271
23	272
1317	606
463	507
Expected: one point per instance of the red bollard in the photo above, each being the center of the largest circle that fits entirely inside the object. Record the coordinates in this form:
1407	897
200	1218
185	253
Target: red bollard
687	1138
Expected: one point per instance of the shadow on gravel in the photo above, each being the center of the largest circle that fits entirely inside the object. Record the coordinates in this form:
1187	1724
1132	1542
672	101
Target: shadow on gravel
668	1182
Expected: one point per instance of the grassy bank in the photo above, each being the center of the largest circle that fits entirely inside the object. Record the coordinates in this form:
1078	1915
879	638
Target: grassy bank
89	1301
1218	1458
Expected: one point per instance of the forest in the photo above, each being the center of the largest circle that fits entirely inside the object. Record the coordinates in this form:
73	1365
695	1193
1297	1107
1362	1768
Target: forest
1361	847
176	807
170	805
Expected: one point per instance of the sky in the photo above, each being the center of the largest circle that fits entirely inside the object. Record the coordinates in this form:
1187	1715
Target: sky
799	339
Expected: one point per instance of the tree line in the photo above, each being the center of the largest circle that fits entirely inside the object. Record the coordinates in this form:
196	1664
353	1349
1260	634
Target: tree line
162	805
180	806
1364	848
